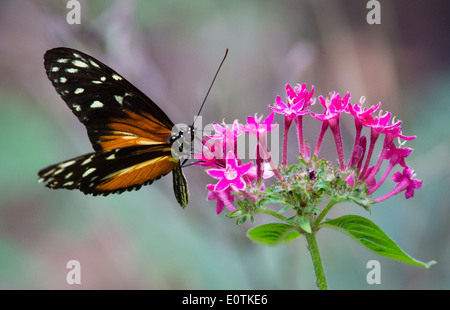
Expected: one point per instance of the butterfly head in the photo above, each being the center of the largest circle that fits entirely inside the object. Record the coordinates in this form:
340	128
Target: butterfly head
181	141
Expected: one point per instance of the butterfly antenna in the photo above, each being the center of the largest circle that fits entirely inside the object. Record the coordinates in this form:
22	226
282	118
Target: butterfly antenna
210	86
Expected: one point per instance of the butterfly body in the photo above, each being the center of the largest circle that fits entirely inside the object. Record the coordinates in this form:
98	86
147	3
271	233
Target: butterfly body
132	137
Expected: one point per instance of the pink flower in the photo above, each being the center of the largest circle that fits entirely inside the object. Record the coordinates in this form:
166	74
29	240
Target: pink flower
267	172
357	156
209	156
362	116
231	175
370	179
350	179
226	137
298	101
406	182
334	106
397	155
300	93
224	198
289	110
381	124
255	127
225	132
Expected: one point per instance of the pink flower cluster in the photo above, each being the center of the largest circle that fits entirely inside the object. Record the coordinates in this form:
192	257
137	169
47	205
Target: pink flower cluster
236	178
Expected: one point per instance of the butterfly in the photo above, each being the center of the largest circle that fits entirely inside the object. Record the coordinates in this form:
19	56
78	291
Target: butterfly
132	137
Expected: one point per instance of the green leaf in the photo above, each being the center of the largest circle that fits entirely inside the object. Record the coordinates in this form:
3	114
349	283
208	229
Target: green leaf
292	219
371	236
234	214
273	234
285	209
312	209
322	185
360	198
273	198
263	201
304	224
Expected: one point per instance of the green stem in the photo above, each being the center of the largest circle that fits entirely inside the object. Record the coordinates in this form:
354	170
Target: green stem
265	210
325	211
321	281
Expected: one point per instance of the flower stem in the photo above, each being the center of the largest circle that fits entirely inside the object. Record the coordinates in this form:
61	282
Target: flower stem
268	157
287	124
321	281
338	141
319	140
265	210
325	211
301	143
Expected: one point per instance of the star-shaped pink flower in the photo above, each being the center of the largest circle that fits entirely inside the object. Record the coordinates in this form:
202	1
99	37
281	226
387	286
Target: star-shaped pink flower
231	175
255	127
334	106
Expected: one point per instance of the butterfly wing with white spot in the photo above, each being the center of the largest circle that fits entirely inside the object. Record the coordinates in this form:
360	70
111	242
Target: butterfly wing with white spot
111	171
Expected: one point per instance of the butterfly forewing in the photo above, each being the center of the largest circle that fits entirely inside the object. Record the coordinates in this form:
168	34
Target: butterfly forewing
103	100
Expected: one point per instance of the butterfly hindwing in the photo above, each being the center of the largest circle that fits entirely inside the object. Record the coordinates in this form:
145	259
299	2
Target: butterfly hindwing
111	171
115	113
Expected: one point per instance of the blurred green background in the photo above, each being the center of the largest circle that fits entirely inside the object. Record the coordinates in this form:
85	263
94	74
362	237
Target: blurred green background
170	50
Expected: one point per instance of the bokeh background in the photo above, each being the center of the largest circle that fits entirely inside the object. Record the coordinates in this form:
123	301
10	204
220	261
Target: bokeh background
170	50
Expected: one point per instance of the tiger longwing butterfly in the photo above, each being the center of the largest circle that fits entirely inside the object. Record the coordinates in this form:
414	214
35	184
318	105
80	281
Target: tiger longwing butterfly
132	137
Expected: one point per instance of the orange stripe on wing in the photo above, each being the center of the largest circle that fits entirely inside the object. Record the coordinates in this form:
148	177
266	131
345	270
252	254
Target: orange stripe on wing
133	130
138	174
119	141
